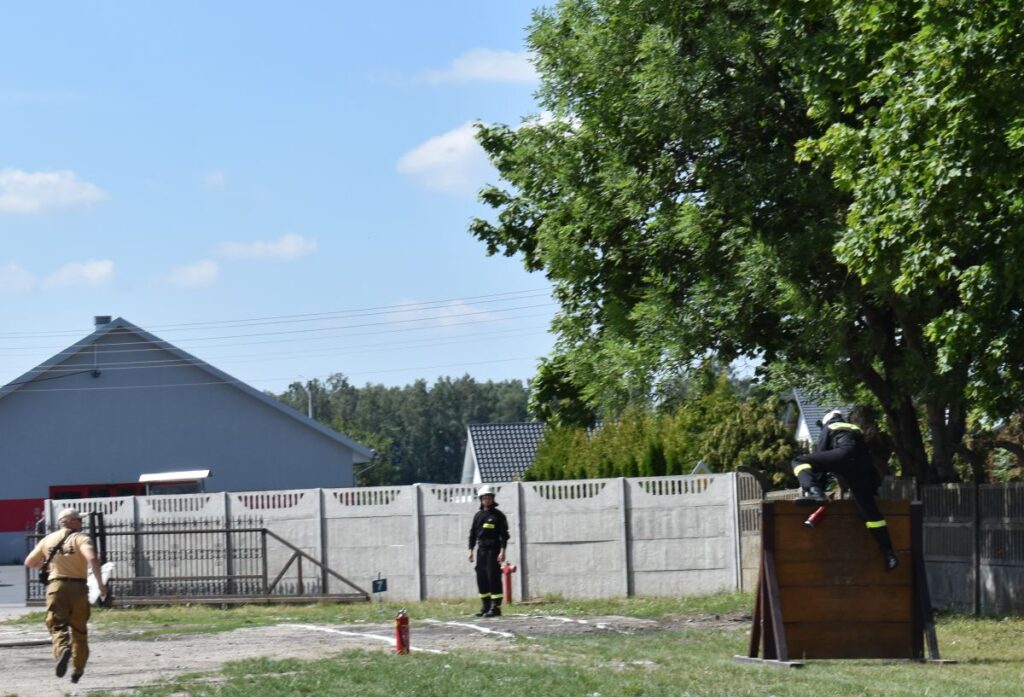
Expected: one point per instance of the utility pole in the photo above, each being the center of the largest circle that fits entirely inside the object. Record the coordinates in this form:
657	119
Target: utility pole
309	396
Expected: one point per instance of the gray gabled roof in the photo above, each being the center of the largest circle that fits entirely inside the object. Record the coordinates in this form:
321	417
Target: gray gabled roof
504	451
360	452
811	411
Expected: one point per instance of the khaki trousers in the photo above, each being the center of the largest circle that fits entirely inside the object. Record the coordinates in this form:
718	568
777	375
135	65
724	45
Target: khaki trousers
67	618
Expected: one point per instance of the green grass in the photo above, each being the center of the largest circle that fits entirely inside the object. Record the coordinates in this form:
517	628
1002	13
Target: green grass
145	623
683	663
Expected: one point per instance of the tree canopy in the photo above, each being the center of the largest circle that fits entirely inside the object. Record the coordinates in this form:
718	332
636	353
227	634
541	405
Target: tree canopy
832	187
717	425
418	431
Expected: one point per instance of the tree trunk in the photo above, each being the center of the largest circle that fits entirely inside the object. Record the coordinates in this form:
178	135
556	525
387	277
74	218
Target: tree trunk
900	414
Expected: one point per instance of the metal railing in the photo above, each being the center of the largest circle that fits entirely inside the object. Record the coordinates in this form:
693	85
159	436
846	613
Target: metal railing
206	561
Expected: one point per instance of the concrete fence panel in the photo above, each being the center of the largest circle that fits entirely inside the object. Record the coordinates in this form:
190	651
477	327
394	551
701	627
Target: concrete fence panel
949	545
294	515
1001	553
682	535
374	531
576	538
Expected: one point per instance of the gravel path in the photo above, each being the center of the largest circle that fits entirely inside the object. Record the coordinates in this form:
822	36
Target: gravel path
119	663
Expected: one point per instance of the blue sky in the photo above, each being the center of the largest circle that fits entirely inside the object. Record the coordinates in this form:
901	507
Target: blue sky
196	163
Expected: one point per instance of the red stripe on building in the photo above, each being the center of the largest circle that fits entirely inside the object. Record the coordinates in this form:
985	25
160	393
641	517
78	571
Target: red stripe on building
19	515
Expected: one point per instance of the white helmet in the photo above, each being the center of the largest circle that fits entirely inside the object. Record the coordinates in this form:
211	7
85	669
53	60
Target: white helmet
485	490
834	415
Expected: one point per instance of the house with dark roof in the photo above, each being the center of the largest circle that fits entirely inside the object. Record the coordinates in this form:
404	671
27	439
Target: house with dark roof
500	452
122	403
809	413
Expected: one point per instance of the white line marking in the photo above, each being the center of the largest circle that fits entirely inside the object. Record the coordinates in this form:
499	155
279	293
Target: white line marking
599	625
482	630
365	635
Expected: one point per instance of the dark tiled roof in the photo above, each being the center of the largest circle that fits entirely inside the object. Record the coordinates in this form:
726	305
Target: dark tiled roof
504	451
812	412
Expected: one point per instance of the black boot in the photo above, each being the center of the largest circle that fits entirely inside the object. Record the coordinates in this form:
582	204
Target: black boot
881	536
812	496
485	607
495	610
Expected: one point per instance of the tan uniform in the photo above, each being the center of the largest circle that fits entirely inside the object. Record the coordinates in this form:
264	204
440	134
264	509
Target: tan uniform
67	596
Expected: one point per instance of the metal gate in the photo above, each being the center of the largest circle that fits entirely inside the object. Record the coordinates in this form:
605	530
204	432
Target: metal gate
178	561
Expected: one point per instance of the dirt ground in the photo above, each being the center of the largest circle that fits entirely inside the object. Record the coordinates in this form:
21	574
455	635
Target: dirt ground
119	663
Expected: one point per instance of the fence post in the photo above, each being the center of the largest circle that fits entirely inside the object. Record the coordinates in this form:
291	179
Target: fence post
735	537
417	538
524	585
977	548
136	540
627	572
263	555
321	541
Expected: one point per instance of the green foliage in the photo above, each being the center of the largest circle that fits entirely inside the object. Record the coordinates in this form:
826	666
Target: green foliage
418	432
716	425
833	187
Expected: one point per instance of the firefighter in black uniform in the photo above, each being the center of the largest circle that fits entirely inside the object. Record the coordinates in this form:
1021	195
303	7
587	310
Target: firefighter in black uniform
841	450
489	536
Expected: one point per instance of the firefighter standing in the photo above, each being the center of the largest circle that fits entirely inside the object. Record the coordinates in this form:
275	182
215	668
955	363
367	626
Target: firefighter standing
841	450
69	553
489	536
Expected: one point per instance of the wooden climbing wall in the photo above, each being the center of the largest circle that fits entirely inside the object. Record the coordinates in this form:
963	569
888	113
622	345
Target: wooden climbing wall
823	592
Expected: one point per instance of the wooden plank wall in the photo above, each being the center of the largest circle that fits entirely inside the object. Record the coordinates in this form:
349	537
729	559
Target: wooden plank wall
837	599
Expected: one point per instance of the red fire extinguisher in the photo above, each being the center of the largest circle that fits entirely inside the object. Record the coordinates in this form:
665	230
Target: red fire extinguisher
815	518
402	632
506	573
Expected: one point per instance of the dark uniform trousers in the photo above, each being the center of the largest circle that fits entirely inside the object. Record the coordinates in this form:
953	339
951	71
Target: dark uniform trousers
856	470
488	573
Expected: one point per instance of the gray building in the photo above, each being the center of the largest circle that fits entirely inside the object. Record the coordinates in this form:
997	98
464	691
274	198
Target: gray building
121	403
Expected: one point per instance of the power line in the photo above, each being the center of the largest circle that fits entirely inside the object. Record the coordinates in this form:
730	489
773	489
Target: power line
250	358
315	316
291	332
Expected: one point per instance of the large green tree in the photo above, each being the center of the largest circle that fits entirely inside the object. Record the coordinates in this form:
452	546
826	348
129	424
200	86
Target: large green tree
833	187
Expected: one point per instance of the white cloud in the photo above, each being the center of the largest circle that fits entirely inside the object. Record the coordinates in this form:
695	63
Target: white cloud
485	65
31	192
285	248
214	179
14	279
195	275
94	272
453	162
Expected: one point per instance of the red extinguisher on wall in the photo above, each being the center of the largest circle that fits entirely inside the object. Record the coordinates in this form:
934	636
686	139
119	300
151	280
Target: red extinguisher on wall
402	632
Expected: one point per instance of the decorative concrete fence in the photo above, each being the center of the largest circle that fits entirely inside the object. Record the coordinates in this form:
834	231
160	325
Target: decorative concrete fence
593	538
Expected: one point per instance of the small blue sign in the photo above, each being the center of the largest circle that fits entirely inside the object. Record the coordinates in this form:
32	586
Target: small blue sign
380	585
